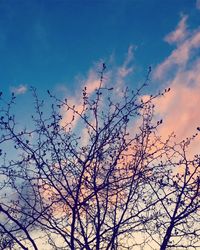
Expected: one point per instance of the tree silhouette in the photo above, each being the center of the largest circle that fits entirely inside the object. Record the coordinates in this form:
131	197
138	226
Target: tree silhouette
176	223
102	180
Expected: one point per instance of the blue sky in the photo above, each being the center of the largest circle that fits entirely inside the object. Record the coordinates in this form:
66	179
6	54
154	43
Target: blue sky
55	44
46	43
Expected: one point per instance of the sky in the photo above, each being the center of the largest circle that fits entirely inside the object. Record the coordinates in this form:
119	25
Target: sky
57	45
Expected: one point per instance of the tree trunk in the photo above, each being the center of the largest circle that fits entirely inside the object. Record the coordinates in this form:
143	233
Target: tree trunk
167	237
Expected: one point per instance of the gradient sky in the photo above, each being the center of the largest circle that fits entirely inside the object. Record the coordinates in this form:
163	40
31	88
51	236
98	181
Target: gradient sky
57	45
53	44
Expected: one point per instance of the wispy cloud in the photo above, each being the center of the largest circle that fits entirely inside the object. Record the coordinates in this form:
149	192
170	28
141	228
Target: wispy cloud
114	77
19	90
126	68
181	72
179	33
180	56
91	84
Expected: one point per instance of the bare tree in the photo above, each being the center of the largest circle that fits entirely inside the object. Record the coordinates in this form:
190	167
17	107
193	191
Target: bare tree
93	182
177	187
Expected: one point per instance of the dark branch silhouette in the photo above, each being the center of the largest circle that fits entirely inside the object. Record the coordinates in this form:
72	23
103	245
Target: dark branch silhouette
103	180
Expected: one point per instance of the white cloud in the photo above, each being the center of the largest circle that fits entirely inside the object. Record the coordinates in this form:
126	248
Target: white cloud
198	4
19	90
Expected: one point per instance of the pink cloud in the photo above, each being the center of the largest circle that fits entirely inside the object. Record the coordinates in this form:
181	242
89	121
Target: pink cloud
181	115
179	33
180	56
19	90
180	107
92	83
